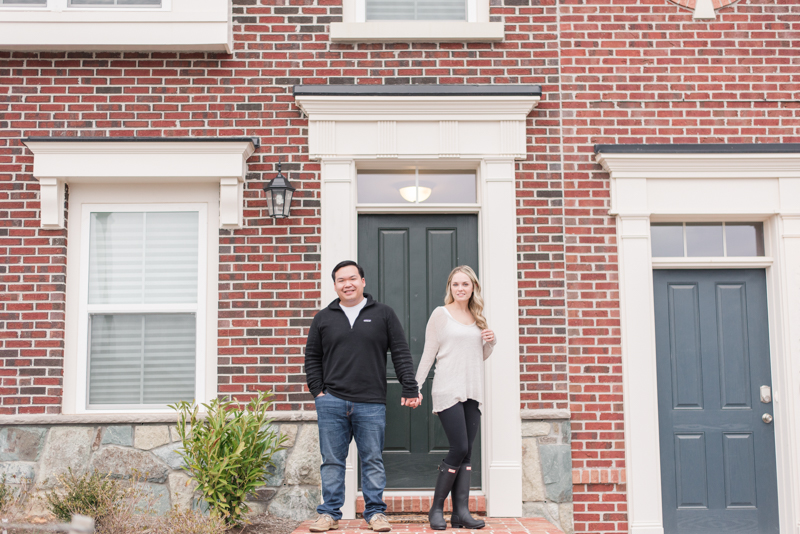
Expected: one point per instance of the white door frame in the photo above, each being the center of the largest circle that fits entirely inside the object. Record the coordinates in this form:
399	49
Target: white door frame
487	133
712	185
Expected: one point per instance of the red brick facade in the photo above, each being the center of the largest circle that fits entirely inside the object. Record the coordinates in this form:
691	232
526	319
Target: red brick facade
611	71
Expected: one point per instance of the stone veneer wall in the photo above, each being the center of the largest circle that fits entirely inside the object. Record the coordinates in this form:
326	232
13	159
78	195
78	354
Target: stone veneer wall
292	489
547	472
41	453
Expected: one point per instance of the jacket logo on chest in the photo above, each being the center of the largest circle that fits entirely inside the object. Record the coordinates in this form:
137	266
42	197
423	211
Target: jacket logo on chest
367	320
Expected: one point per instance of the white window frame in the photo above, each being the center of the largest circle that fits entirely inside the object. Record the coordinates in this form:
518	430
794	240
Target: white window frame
355	28
361	11
85	309
63	5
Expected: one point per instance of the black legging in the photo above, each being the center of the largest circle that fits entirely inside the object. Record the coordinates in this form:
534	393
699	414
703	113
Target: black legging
460	423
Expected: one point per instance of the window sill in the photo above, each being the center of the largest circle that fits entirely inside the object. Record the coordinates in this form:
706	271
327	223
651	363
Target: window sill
427	31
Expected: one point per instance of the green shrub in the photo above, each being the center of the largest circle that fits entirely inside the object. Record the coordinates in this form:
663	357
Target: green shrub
229	451
92	494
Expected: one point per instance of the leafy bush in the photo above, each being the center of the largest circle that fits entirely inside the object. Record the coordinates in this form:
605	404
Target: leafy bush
92	494
229	451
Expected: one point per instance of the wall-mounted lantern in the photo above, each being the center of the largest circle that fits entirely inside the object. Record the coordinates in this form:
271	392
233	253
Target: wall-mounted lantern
279	196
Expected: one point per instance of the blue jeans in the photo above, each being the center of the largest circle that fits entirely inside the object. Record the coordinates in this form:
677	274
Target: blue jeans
339	421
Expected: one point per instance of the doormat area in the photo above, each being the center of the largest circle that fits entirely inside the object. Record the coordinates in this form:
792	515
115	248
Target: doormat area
499	525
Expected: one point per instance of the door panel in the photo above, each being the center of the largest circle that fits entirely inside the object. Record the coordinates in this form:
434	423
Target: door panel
718	467
407	259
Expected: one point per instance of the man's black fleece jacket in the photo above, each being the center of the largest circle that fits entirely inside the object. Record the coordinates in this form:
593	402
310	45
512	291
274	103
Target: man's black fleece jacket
350	362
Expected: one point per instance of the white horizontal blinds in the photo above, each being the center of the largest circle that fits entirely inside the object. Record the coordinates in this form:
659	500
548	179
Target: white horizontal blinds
141	358
169	358
142	303
170	266
115	359
416	9
112	3
143	258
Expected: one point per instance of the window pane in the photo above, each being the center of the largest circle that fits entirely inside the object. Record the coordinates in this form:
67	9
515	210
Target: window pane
450	187
23	2
143	258
416	9
744	239
170	266
133	3
704	239
443	187
384	187
141	359
666	239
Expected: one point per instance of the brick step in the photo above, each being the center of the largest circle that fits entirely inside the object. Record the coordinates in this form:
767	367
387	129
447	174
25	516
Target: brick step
411	504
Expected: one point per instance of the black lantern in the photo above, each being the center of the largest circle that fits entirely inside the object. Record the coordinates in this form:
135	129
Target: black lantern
279	195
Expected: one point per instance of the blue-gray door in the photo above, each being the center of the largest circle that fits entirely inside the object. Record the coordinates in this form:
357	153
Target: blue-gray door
407	259
717	454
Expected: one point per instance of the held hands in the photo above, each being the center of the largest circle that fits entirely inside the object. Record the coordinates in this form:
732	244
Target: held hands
487	335
411	403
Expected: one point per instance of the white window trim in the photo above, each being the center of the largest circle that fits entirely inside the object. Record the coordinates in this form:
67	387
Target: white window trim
725	186
477	27
176	25
82	389
221	161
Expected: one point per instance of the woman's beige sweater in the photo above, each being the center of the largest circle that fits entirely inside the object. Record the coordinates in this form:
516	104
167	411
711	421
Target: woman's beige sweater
459	352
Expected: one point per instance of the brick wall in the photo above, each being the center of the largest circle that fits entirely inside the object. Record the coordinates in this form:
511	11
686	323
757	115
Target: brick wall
631	72
645	72
269	271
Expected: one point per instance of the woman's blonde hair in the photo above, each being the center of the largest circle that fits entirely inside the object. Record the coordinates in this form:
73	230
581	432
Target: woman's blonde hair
475	301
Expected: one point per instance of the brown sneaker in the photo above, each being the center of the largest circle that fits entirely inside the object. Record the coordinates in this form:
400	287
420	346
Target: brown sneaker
379	523
324	523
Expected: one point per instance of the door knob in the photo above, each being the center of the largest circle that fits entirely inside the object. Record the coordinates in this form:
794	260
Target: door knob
766	394
767	418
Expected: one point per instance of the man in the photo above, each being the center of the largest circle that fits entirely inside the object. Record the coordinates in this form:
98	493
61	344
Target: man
346	373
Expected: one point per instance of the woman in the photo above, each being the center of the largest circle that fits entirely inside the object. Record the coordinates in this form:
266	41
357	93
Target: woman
458	338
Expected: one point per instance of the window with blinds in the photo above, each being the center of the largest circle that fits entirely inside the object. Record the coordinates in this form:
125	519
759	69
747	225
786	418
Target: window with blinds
416	10
143	307
40	3
114	3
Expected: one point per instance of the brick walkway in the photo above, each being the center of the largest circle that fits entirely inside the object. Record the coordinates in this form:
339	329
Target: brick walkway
494	525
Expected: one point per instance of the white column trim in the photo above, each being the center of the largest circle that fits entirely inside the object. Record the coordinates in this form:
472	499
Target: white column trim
502	420
488	132
761	187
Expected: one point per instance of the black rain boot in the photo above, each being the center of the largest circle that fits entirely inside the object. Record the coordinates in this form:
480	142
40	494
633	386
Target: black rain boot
444	481
461	517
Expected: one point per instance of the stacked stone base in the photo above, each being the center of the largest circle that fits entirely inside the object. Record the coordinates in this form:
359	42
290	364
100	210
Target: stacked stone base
292	490
547	471
42	453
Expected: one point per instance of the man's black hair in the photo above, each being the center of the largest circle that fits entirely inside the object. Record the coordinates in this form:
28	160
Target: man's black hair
347	263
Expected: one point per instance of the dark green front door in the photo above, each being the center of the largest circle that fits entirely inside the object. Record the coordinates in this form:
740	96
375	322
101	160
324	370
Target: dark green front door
407	259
